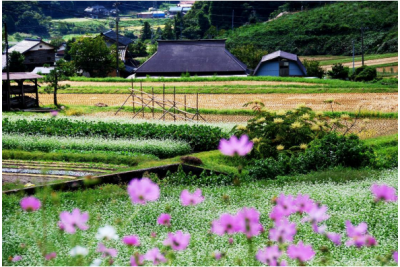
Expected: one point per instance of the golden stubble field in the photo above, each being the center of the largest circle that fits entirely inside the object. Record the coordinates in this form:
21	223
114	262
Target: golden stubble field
383	102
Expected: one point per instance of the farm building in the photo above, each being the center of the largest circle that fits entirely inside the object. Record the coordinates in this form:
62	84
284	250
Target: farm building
280	63
151	14
97	12
197	57
36	52
20	96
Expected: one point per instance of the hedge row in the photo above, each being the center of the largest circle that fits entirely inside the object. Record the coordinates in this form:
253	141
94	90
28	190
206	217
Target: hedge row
199	137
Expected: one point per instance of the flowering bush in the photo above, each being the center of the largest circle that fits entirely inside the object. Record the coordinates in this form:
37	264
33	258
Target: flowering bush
275	131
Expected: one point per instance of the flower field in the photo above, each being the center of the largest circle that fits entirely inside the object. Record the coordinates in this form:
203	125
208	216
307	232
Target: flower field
291	190
110	205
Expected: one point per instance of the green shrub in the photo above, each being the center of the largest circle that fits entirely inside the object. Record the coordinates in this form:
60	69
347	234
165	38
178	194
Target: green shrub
364	74
330	151
313	68
288	131
339	72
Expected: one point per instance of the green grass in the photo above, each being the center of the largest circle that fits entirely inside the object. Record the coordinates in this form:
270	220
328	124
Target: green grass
385	65
357	58
332	82
347	199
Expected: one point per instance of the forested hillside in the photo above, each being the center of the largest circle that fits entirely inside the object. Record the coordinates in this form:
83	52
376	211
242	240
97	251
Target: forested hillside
325	30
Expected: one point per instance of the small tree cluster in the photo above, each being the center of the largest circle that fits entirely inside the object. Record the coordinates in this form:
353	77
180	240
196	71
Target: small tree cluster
313	68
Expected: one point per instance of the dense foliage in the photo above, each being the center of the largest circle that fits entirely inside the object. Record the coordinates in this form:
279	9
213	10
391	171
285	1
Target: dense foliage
364	74
326	30
275	131
330	151
16	62
313	68
339	72
199	137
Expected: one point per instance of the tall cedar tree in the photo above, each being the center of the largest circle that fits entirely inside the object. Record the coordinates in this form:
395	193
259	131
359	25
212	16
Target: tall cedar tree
146	31
178	25
168	33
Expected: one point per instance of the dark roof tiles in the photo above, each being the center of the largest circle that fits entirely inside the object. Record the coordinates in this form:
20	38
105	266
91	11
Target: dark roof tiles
194	56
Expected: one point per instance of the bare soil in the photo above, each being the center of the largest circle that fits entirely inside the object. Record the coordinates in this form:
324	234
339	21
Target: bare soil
388	69
367	62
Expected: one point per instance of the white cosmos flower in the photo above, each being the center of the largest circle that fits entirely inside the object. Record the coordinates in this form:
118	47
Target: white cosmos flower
107	232
78	250
96	262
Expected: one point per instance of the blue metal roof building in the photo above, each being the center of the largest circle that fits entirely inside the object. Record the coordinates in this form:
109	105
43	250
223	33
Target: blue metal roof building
280	63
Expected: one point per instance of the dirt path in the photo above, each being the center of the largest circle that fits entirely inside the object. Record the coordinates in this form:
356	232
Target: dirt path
180	84
384	102
388	69
366	62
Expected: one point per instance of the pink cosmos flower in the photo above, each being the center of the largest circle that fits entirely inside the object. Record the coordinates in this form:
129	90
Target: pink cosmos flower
143	190
283	263
131	240
137	260
249	222
287	203
384	193
396	256
226	224
317	214
71	220
177	241
217	255
300	252
283	231
155	256
164	219
234	146
30	204
191	199
359	230
51	256
304	203
54	113
269	255
153	234
277	213
112	252
230	241
335	238
16	258
319	229
362	240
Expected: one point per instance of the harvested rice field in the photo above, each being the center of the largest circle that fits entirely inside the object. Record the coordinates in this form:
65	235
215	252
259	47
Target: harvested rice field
383	102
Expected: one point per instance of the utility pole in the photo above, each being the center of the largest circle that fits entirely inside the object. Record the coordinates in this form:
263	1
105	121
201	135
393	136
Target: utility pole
116	24
8	68
362	42
353	57
233	15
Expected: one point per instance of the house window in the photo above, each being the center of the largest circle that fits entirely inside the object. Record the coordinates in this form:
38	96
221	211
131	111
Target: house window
40	46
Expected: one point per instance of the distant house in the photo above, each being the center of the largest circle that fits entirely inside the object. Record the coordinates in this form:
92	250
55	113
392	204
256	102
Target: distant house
36	52
197	57
280	63
151	14
174	10
110	37
61	51
97	12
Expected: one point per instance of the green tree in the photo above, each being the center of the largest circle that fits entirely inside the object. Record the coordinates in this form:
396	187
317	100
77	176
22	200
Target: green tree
313	68
168	33
339	72
203	22
57	41
249	55
146	31
93	56
54	77
16	62
178	25
138	49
